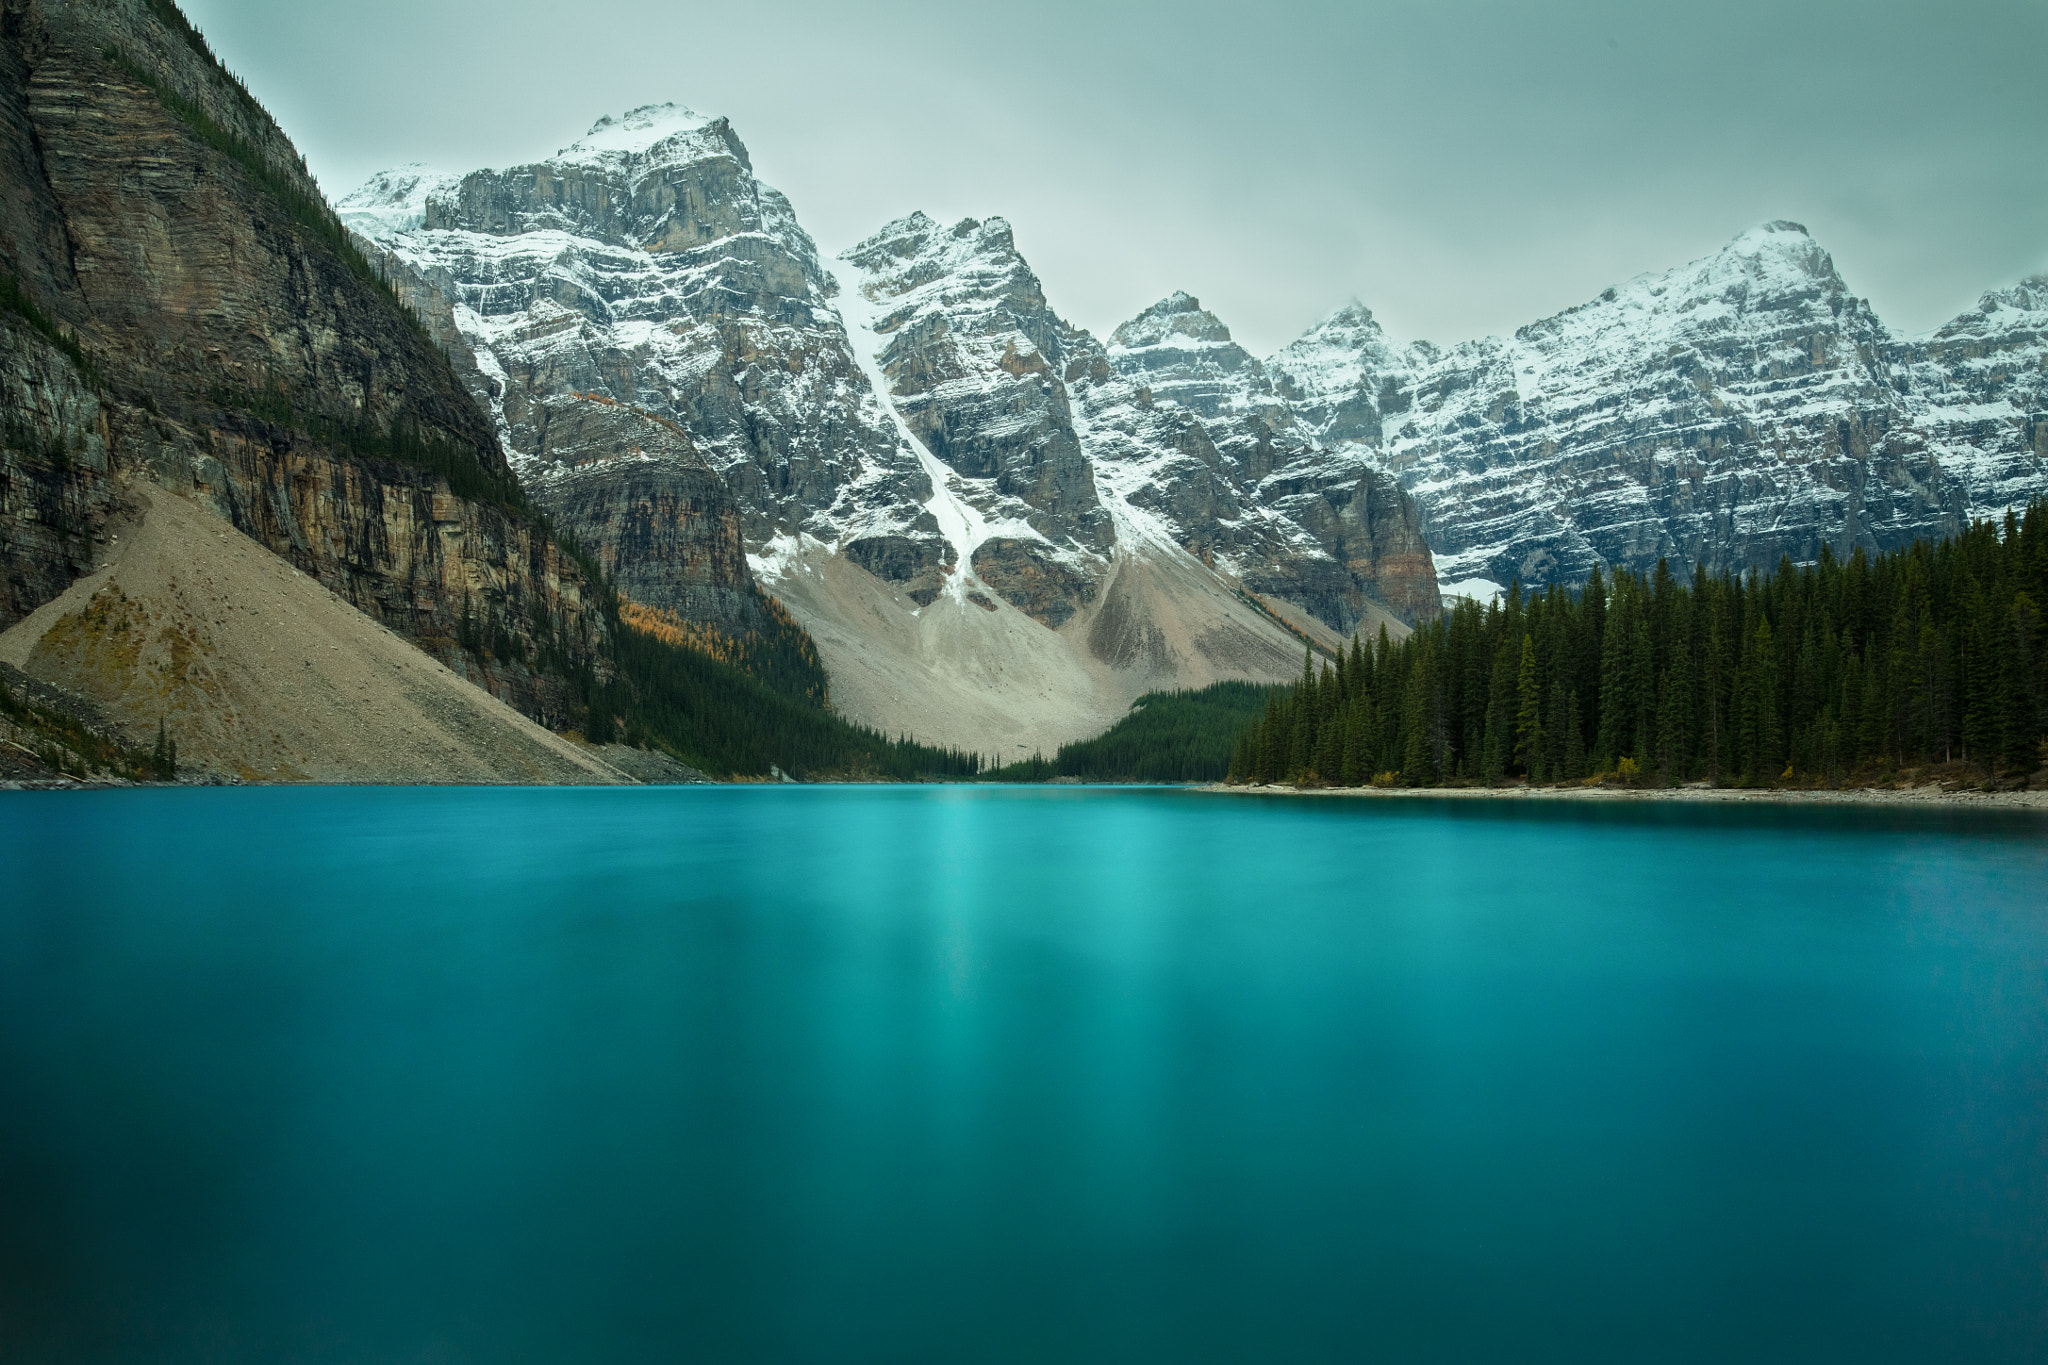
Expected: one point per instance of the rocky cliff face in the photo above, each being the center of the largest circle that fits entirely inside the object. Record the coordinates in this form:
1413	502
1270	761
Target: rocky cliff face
234	348
955	332
1240	476
677	378
652	332
1168	440
56	475
1977	392
1736	409
974	356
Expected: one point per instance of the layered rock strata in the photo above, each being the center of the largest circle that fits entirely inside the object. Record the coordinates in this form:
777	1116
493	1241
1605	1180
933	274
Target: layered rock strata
232	347
974	358
899	440
1168	440
915	413
1740	408
640	311
1977	391
1244	482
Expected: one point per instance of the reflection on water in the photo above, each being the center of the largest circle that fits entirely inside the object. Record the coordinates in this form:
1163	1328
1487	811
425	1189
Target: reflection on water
914	1074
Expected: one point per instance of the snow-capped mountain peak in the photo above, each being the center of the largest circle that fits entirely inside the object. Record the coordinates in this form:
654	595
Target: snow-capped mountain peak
900	237
642	306
2021	305
1781	245
1775	259
1183	353
962	341
913	251
1775	268
1354	319
638	132
1727	411
1334	373
394	200
1179	317
636	142
661	178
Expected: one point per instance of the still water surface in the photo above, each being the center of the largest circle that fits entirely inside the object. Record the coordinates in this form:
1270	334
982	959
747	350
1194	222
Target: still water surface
971	1074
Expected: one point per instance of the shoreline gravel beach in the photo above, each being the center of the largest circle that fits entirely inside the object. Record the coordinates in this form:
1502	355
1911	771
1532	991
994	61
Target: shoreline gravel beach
1927	795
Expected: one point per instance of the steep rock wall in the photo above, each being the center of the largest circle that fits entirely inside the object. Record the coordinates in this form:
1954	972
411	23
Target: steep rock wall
640	296
242	355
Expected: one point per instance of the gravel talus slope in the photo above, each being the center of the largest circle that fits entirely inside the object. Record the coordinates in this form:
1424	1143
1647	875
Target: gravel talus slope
262	674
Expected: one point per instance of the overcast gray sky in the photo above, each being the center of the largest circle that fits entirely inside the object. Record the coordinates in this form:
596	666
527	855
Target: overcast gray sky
1463	166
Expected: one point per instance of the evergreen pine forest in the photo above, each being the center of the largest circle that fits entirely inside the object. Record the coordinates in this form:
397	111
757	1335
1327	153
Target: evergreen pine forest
1839	671
1179	736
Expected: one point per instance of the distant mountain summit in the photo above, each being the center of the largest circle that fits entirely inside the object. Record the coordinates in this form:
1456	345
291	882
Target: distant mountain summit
394	200
892	446
653	333
639	132
1179	317
1334	375
970	502
1738	408
1158	444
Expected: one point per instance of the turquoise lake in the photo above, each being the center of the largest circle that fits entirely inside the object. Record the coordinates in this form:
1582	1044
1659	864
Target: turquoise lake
925	1074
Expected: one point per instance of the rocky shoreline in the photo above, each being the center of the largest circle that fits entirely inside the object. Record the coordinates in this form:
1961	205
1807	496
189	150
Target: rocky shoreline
1930	794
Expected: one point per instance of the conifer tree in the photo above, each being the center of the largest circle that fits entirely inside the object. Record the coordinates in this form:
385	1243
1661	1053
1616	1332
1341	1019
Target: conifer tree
1270	737
1329	764
1617	704
1355	771
2023	687
1641	723
1529	714
1422	719
1301	746
1876	744
1713	704
1574	742
1978	667
1767	750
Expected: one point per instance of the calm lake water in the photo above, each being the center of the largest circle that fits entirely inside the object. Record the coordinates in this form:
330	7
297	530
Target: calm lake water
969	1074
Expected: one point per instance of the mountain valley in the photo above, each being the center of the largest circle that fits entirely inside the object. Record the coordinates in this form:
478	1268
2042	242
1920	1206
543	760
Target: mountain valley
995	534
916	410
528	419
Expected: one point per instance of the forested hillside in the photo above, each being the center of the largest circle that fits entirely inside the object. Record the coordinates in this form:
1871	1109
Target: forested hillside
1178	736
718	717
1820	674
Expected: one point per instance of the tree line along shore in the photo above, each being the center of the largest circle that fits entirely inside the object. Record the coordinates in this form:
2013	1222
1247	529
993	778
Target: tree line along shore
1929	661
1929	664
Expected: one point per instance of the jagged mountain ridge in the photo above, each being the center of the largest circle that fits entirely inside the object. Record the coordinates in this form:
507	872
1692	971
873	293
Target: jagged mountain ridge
1983	378
958	334
645	264
910	414
1735	409
1206	436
